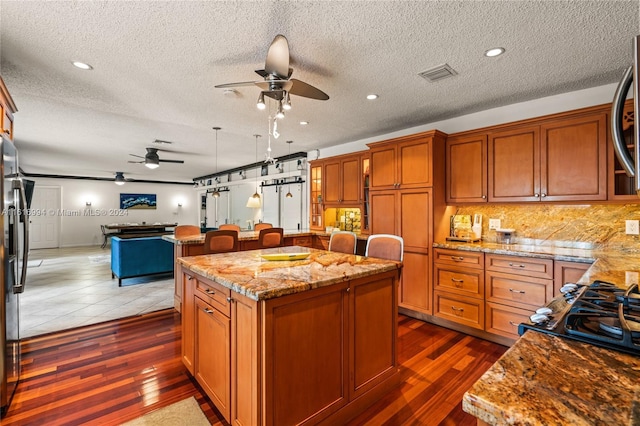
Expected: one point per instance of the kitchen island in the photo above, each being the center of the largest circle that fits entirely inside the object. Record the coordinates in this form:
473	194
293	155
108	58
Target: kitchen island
290	342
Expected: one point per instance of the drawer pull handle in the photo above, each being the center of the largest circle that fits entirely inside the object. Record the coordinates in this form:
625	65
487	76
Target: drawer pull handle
457	282
516	291
457	309
519	266
457	258
209	311
513	323
210	291
189	277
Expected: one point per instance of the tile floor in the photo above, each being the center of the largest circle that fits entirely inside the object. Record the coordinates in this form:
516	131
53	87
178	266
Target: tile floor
72	287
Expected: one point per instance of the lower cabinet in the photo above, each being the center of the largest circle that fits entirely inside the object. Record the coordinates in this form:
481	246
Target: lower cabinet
317	356
567	272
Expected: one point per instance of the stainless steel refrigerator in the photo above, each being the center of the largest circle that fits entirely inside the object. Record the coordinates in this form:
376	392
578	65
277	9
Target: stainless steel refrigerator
13	269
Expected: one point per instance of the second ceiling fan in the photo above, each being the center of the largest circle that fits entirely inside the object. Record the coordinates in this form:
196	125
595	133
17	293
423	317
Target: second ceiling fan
152	160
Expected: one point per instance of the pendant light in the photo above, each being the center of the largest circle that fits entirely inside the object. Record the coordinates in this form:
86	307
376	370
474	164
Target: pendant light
289	194
215	192
119	180
254	201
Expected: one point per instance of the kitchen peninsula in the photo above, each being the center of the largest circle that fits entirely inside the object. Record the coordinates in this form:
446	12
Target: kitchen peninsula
288	342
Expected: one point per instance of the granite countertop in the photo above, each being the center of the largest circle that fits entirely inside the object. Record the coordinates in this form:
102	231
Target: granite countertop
247	236
548	380
245	272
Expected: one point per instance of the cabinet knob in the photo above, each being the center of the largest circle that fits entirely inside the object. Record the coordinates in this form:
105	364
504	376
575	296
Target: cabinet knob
544	195
484	197
516	291
189	277
348	289
536	195
229	299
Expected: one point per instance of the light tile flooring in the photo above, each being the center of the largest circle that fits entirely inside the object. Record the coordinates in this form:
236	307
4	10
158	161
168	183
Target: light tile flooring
73	287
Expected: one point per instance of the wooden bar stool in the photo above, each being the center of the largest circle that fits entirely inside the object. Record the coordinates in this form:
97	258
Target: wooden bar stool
221	241
229	226
182	231
271	237
343	242
261	226
385	246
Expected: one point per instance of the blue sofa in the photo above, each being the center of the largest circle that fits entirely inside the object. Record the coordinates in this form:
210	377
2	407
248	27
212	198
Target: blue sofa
134	257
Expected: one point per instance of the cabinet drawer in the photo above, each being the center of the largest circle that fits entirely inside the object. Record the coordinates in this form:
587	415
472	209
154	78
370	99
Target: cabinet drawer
518	291
462	310
469	259
531	267
503	320
215	294
303	241
464	281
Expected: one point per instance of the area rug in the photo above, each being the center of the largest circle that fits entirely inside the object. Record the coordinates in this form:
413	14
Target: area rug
186	412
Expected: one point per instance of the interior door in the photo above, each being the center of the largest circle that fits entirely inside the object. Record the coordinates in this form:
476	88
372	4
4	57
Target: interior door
291	213
271	205
44	231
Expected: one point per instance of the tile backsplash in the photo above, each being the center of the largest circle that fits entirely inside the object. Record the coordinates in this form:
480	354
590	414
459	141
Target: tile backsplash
585	226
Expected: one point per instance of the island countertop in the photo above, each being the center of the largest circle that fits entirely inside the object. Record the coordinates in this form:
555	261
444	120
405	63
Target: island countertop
249	236
247	273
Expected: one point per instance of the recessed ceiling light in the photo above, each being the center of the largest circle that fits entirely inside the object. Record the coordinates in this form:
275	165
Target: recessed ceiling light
496	51
304	123
372	96
82	65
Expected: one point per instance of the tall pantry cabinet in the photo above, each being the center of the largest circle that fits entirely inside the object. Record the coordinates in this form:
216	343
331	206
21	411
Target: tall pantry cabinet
407	199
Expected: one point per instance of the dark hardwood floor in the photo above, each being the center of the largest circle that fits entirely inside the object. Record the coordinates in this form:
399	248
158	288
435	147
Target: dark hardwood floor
113	372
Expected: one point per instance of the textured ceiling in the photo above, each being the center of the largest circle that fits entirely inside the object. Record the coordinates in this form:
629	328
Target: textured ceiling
156	64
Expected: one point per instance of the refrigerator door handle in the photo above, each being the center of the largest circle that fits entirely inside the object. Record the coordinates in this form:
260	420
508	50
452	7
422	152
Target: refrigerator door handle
22	208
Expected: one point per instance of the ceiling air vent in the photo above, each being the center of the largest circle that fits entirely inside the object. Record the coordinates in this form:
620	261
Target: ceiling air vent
158	141
438	73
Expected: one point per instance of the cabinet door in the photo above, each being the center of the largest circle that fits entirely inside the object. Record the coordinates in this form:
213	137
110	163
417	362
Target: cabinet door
213	355
383	167
574	159
350	177
414	163
621	186
315	189
188	282
331	181
514	165
466	170
567	272
383	212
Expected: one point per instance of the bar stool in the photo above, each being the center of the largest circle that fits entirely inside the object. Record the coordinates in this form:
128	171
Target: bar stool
271	237
182	231
385	246
261	226
229	226
343	242
221	241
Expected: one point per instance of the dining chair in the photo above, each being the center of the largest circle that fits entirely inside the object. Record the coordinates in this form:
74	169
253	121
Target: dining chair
271	237
262	225
182	231
229	226
343	242
220	241
385	246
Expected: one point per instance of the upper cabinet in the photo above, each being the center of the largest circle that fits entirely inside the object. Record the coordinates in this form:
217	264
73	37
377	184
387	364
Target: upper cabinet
7	109
342	177
466	162
403	163
557	158
315	193
621	186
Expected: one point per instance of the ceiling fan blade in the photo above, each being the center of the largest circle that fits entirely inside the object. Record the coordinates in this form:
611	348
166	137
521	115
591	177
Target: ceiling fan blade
300	88
241	84
135	162
268	86
139	156
171	161
277	62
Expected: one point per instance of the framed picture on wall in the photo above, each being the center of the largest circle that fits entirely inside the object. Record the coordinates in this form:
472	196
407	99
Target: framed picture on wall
137	201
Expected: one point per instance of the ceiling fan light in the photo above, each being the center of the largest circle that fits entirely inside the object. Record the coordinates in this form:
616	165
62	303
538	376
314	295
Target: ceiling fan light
152	165
261	104
287	102
280	113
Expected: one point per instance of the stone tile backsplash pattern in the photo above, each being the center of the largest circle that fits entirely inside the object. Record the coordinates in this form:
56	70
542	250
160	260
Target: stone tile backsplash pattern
581	226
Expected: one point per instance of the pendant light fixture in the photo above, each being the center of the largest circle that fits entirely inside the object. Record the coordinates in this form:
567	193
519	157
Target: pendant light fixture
119	180
254	201
215	192
289	194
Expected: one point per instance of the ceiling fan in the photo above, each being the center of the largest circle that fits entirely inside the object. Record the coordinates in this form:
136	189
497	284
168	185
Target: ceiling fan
278	83
152	160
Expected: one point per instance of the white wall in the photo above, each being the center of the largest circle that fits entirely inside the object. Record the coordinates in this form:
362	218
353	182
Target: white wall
104	195
514	112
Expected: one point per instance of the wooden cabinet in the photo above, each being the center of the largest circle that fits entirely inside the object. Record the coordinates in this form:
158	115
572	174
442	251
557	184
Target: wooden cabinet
458	282
404	162
567	272
315	193
466	172
341	180
7	109
621	186
560	160
407	198
514	288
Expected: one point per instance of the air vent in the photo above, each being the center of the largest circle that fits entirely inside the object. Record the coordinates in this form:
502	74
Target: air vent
438	73
158	141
